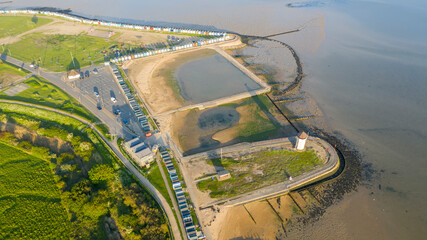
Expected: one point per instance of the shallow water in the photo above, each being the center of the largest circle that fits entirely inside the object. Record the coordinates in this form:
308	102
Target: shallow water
365	64
211	78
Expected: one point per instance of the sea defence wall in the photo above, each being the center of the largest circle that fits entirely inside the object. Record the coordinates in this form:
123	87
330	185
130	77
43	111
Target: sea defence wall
217	102
330	166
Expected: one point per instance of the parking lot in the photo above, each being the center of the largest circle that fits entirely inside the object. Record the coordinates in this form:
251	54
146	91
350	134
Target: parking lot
103	90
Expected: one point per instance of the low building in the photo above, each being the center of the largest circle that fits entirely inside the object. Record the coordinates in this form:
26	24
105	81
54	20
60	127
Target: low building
301	139
73	74
139	152
224	175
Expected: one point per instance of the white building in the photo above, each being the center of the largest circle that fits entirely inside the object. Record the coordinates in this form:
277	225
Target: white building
73	74
301	139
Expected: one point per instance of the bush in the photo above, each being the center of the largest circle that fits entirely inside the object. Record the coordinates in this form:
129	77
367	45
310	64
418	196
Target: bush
101	173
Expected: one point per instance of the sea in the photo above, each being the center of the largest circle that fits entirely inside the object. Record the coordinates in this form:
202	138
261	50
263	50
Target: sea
365	64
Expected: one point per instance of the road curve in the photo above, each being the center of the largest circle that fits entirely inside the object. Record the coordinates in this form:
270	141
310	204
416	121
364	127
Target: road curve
114	147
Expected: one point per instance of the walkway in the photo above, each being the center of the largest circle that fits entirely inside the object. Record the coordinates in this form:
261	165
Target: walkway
330	166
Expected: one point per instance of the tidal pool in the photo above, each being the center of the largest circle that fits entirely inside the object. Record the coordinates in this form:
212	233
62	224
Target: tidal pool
211	78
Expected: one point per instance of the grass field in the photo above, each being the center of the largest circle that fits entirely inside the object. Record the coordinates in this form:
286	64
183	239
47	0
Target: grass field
30	201
257	170
42	92
14	25
10	73
60	52
7	68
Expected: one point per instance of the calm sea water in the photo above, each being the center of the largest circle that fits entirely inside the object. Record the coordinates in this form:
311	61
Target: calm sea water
366	66
211	78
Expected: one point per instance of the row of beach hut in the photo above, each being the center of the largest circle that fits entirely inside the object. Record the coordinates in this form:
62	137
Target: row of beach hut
142	119
115	24
168	49
187	219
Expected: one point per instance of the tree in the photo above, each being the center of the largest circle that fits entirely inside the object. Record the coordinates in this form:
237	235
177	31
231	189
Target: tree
101	173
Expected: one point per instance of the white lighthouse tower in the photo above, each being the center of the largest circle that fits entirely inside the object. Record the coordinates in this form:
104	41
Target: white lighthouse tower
301	138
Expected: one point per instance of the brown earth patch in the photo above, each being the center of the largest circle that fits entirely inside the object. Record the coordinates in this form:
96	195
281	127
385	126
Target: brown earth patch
55	144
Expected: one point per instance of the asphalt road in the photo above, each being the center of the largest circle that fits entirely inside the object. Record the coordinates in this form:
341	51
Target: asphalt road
107	117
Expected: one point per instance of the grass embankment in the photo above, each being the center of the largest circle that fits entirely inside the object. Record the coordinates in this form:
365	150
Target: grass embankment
155	178
30	201
42	92
10	73
101	197
13	25
257	170
60	52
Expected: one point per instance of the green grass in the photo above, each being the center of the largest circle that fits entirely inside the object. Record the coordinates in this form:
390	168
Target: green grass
257	170
60	52
30	201
155	178
14	25
258	128
42	92
8	68
41	114
105	131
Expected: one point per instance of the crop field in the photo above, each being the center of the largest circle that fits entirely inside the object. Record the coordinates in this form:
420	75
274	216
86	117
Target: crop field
14	25
60	52
30	201
44	93
257	170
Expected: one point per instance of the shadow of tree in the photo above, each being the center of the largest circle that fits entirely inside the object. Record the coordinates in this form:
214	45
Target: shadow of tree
35	19
74	64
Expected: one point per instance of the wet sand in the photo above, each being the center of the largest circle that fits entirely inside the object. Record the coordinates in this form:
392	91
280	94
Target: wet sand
153	78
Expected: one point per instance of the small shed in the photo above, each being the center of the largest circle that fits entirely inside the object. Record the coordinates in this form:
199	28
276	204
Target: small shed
301	139
73	74
224	175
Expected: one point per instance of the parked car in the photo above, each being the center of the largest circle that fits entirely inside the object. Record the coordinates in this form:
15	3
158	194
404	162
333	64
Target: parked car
95	71
117	112
96	93
82	76
87	74
113	99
